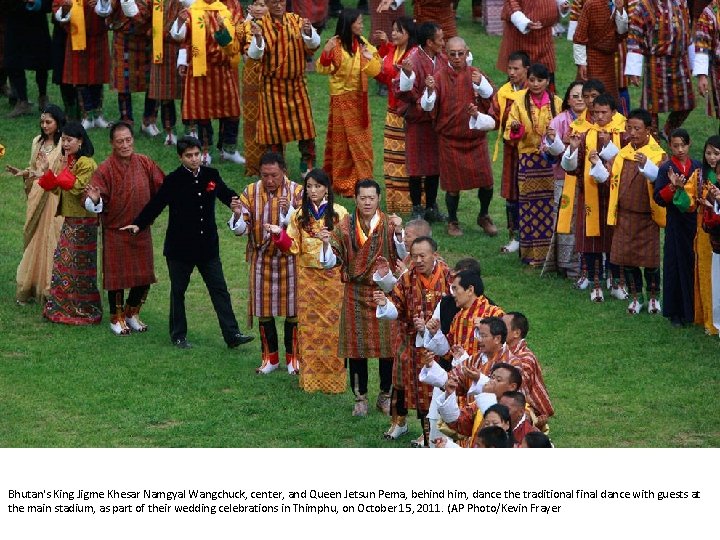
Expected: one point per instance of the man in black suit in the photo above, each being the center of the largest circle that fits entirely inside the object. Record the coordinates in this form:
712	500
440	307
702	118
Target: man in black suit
192	239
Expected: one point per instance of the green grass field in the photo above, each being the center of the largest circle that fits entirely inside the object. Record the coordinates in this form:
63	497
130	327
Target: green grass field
615	381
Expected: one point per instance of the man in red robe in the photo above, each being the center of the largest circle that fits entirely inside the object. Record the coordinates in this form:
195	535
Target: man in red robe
360	241
454	94
416	294
120	188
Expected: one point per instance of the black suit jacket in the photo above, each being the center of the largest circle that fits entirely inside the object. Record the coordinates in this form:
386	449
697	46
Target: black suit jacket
192	233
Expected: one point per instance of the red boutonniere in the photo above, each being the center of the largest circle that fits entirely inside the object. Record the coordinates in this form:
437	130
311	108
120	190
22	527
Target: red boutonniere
210	186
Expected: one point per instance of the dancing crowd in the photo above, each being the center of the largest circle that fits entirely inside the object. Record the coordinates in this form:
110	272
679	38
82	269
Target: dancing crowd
586	180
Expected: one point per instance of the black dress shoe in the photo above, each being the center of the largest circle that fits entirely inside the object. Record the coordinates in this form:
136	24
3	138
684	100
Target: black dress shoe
182	343
239	339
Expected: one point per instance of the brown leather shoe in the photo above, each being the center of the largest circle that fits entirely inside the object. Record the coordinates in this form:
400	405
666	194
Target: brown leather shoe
453	229
487	225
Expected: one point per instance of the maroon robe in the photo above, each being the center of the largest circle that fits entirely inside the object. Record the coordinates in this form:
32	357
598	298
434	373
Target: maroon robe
125	189
464	157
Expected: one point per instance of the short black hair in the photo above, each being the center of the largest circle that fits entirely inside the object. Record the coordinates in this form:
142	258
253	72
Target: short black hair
494	437
430	240
520	55
515	373
273	158
607	100
497	327
468	279
517	396
593	84
641	114
366	183
468	263
187	142
120	125
680	133
519	322
537	439
426	31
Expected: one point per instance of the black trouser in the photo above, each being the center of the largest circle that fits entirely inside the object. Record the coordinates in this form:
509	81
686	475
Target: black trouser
358	370
512	211
634	279
90	97
268	331
19	82
168	114
212	274
150	108
430	185
135	298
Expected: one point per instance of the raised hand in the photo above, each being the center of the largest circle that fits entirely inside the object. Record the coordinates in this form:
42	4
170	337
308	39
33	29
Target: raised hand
535	25
382	266
255	29
603	138
574	141
220	20
93	193
550	134
419	322
476	76
471	373
451	386
428	358
432	326
407	67
582	73
430	83
367	55
272	228
183	16
43	164
640	159
514	126
283	204
384	5
379	298
306	27
395	220
473	110
634	80
380	35
457	351
593	157
440	442
324	236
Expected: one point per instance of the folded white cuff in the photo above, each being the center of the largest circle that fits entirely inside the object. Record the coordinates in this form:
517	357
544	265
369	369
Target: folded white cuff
129	8
521	22
482	122
579	54
701	65
634	64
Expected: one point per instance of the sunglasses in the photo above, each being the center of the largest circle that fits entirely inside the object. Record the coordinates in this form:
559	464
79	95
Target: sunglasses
456	54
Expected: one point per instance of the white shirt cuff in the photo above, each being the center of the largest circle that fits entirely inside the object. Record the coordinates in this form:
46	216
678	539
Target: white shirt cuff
482	122
103	9
634	64
406	83
485	89
609	152
621	21
485	400
254	51
437	344
178	32
285	218
90	206
427	101
477	386
419	339
182	58
388	311
701	65
469	59
327	258
599	173
649	171
400	248
129	8
313	40
556	147
457	361
448	408
521	22
59	16
237	224
385	283
579	54
569	161
572	26
433	375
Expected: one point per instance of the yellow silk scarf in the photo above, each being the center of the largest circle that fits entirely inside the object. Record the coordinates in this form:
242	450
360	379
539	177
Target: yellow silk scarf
567	200
505	94
77	26
157	31
691	188
198	21
654	153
